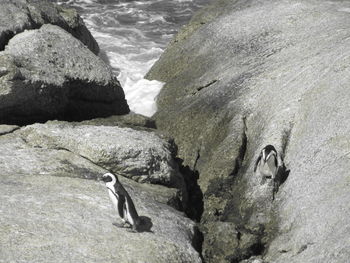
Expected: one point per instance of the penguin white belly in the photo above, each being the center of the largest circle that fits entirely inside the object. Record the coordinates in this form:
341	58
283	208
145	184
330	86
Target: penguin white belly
127	215
271	163
266	170
113	198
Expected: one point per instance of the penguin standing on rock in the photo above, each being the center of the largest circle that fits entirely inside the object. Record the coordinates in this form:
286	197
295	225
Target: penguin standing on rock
268	165
122	201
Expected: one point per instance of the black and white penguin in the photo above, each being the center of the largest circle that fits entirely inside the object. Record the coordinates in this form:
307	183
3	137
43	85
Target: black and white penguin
122	201
268	165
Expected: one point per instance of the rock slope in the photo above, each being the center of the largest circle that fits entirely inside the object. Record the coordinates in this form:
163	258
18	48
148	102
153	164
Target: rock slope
244	74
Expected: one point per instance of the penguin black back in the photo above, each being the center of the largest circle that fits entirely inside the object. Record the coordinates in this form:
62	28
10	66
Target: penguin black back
120	190
268	149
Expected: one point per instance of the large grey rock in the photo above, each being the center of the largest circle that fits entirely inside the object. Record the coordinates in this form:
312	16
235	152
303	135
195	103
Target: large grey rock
271	72
140	155
47	74
18	157
50	211
19	15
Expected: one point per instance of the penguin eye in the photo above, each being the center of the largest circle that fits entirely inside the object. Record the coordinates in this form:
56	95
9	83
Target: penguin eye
107	178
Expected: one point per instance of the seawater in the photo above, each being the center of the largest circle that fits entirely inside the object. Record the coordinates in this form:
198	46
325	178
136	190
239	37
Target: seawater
132	35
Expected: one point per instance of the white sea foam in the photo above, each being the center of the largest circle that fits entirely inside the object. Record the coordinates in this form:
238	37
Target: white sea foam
133	35
141	96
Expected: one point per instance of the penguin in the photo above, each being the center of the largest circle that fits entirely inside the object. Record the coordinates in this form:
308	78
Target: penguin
268	165
122	201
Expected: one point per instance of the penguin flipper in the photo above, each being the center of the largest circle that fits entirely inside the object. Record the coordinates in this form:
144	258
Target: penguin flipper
257	162
121	204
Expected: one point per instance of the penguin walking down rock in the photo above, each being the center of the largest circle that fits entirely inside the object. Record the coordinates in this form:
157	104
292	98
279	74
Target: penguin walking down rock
122	201
268	164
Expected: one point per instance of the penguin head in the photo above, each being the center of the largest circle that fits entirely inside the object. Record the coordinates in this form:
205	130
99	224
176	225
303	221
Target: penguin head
268	151
109	177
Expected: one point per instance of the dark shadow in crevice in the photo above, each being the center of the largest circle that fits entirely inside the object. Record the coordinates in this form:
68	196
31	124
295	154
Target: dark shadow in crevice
5	38
257	248
242	151
286	139
195	205
197	242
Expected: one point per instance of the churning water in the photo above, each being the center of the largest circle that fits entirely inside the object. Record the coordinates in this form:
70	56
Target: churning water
133	34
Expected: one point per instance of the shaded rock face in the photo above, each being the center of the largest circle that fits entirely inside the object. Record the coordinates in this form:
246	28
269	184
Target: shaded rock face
52	207
19	15
47	74
271	72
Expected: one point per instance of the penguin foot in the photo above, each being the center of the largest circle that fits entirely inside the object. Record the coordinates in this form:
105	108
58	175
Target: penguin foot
126	225
119	225
131	230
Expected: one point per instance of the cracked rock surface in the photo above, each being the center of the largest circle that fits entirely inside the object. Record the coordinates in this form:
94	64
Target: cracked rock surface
52	207
275	72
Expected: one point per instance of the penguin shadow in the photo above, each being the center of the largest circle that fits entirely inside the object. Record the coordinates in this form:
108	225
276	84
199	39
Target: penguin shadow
281	176
145	225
